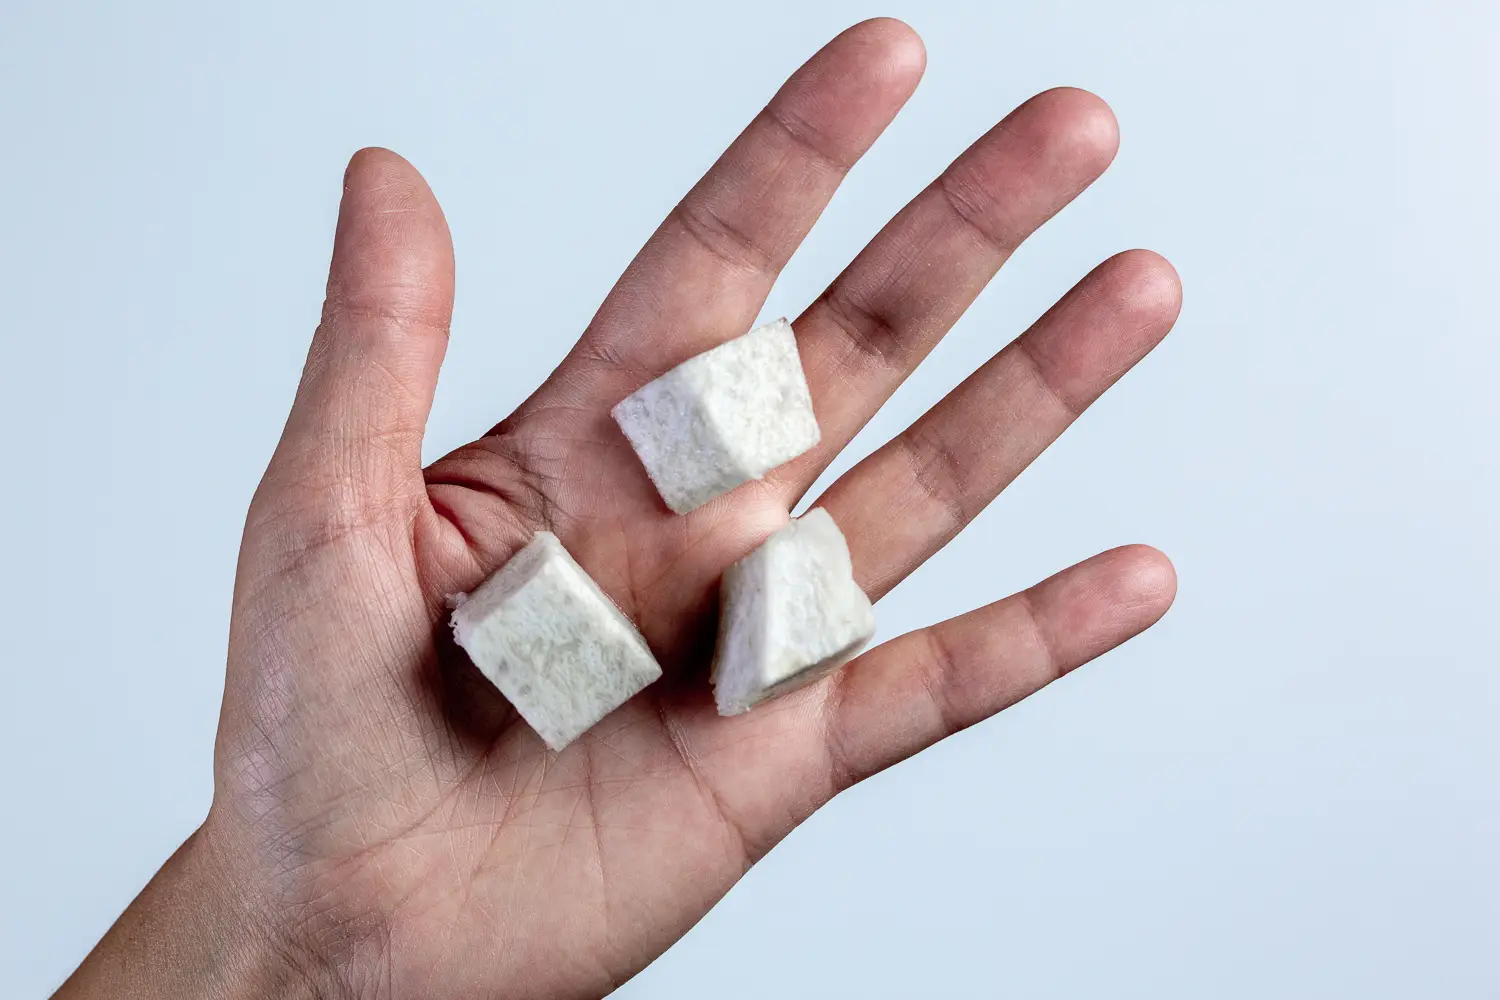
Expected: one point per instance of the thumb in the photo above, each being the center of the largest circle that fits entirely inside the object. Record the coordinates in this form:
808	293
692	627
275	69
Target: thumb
354	436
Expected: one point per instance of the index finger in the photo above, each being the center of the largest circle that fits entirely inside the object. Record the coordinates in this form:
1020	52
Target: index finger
703	275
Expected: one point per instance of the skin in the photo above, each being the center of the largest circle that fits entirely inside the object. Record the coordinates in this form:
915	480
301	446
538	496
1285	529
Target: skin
383	825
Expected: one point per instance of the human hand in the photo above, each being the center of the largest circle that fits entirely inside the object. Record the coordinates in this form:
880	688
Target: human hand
383	824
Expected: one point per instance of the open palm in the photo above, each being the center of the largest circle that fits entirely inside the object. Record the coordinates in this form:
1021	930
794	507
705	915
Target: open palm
392	825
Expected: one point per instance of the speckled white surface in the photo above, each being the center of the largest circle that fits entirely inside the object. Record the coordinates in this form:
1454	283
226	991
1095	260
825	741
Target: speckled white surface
553	643
725	417
789	613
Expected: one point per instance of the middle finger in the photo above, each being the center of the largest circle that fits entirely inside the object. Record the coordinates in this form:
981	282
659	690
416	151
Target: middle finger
896	300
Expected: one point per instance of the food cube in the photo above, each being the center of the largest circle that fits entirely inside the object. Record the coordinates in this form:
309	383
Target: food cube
554	643
725	417
789	613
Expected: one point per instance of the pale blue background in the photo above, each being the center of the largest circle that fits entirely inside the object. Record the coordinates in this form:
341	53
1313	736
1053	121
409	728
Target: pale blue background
1288	789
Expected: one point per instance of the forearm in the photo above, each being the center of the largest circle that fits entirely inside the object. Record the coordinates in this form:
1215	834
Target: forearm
190	934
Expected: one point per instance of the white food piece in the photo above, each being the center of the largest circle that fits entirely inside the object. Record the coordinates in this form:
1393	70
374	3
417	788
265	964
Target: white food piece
554	643
725	417
789	613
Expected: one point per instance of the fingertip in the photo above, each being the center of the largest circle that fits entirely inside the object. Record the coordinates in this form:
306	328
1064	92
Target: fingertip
1084	120
1035	161
1147	287
378	172
845	95
878	61
1145	581
905	53
1110	320
376	164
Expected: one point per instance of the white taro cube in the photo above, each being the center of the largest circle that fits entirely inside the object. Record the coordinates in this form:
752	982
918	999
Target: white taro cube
789	613
553	643
725	417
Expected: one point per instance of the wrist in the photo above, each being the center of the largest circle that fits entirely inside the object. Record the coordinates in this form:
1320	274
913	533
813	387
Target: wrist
195	931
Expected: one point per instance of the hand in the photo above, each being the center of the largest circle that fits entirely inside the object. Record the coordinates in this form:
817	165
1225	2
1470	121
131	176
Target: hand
383	824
